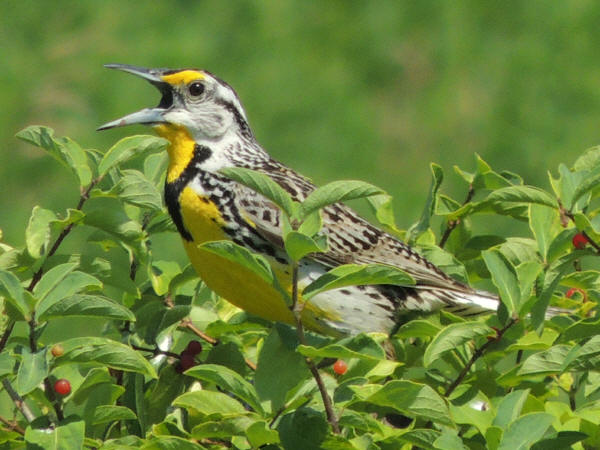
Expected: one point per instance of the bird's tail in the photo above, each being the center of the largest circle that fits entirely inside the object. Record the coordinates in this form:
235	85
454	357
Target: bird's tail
476	302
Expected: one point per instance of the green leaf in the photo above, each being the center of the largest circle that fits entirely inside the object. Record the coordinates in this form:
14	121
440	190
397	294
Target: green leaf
7	364
260	434
526	430
229	381
486	178
52	279
278	356
541	219
161	273
87	306
32	371
452	337
64	437
588	182
534	341
93	380
552	277
209	403
437	175
406	397
510	407
37	233
112	413
104	352
160	443
383	209
581	329
337	191
418	328
304	429
445	205
74	216
224	428
135	189
418	437
522	194
128	148
71	284
298	245
360	346
64	150
242	256
449	440
504	277
159	396
588	160
493	436
527	273
108	215
311	224
562	439
471	407
584	357
155	166
546	362
14	293
357	274
445	261
264	185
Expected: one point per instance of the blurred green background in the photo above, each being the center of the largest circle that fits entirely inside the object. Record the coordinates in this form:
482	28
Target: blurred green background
340	89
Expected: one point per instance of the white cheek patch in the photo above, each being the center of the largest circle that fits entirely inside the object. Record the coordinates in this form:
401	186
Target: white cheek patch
218	159
228	96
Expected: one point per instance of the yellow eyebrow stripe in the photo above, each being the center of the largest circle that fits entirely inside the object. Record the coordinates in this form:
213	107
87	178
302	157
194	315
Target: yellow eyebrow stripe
184	76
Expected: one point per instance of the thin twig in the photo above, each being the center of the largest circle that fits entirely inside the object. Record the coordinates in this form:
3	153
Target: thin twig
156	351
85	195
296	308
53	399
18	401
134	264
569	215
37	276
592	242
13	426
452	224
6	334
187	323
32	336
478	353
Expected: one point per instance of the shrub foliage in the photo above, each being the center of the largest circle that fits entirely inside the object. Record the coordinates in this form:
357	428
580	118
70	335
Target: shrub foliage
515	379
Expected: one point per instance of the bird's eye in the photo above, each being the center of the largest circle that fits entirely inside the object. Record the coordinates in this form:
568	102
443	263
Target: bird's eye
196	88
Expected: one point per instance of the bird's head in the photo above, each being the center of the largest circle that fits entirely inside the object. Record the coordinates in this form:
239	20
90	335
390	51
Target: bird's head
193	101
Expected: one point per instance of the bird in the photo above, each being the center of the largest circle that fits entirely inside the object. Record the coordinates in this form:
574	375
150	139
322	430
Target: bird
202	118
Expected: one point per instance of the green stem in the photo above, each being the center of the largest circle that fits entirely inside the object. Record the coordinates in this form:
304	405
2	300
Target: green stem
297	308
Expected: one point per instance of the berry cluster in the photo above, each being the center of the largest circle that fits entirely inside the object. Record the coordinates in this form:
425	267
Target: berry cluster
187	358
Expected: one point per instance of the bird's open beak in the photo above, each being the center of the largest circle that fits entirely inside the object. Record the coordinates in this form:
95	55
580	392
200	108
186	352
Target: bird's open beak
146	116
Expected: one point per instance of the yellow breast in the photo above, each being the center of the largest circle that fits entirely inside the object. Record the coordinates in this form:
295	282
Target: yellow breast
233	282
204	222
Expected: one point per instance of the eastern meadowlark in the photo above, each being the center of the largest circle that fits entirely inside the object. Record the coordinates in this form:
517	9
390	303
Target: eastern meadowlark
204	121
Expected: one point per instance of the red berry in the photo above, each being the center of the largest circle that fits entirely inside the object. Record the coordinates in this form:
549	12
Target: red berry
193	348
62	387
579	241
186	361
57	350
571	292
340	367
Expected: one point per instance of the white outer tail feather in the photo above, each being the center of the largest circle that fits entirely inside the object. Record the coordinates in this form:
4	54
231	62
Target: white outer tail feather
479	302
